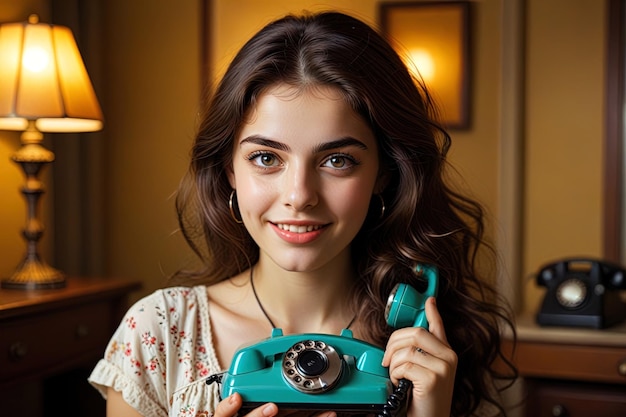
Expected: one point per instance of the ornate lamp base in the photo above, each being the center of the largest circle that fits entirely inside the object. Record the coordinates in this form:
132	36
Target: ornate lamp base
32	274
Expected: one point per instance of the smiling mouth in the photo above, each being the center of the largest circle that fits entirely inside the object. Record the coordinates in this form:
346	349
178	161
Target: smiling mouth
298	229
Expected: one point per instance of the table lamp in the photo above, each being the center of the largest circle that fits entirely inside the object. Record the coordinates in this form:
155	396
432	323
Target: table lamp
44	87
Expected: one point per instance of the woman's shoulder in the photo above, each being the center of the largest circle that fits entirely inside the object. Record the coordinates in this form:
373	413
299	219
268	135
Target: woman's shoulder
162	344
168	305
173	295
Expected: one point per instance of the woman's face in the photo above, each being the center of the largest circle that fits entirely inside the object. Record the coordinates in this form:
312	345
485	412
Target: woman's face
305	166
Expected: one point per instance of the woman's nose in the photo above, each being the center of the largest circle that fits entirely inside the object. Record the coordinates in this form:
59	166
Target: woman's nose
301	188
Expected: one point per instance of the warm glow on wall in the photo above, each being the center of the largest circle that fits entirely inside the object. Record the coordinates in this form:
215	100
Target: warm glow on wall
432	38
421	63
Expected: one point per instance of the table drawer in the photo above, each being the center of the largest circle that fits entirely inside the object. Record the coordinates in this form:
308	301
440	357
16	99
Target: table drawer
549	398
28	346
606	364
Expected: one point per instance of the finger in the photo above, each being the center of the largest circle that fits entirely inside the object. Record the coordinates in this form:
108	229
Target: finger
417	337
413	342
415	365
231	405
408	339
434	320
409	371
266	410
411	355
300	413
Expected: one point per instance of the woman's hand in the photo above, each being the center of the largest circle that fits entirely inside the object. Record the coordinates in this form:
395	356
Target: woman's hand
231	405
426	359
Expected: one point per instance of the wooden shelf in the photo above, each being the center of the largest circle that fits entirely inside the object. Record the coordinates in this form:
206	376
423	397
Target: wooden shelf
569	353
560	364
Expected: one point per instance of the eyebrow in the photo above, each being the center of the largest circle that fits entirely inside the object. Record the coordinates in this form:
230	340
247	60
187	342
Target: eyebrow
322	147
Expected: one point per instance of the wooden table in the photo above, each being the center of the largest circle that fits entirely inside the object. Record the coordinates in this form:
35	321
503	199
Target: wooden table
570	372
49	341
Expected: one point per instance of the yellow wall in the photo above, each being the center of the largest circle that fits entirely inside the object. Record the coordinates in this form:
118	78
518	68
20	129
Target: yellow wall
13	208
564	132
150	103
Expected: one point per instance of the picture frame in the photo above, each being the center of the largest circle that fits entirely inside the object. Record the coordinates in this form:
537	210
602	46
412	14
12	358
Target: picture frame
433	37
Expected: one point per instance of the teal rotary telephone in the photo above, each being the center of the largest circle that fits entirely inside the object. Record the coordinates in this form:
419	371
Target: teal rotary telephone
326	372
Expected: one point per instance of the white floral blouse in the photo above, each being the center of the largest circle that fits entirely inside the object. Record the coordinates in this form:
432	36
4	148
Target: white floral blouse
161	355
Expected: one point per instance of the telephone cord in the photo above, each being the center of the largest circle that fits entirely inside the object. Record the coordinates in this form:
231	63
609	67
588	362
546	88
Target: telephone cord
396	399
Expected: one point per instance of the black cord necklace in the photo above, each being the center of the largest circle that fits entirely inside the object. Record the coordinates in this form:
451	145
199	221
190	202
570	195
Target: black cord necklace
258	301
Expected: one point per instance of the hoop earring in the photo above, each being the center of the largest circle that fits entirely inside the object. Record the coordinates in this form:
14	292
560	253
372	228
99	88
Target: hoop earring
231	206
382	206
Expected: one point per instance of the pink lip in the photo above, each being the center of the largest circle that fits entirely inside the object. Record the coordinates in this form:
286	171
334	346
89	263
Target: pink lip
297	238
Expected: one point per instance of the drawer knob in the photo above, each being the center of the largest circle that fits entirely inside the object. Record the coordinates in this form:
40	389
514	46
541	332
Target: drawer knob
18	351
559	411
621	368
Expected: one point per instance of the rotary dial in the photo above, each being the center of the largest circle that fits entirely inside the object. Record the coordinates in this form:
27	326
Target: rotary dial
571	293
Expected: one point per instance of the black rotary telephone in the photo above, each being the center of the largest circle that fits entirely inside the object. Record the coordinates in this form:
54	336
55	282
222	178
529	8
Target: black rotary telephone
582	292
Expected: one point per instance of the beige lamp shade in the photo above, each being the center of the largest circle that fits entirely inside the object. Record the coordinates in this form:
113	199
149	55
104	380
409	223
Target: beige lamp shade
43	79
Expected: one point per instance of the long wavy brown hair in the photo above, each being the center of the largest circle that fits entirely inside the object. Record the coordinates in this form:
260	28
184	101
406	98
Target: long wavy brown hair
425	219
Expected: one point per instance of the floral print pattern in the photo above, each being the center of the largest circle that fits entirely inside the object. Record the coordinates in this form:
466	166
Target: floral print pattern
161	354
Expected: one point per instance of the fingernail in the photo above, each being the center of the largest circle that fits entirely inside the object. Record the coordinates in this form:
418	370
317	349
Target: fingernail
231	398
385	360
269	410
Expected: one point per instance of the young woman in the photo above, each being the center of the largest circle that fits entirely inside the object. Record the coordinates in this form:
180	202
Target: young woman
316	184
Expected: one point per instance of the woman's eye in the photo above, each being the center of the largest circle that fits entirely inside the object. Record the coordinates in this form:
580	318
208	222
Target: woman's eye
340	162
264	160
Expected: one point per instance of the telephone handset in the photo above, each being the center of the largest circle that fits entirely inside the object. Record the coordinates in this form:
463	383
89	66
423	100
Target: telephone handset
326	372
406	306
582	292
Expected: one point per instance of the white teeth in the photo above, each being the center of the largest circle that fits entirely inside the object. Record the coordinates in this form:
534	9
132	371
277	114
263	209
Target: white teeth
298	229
